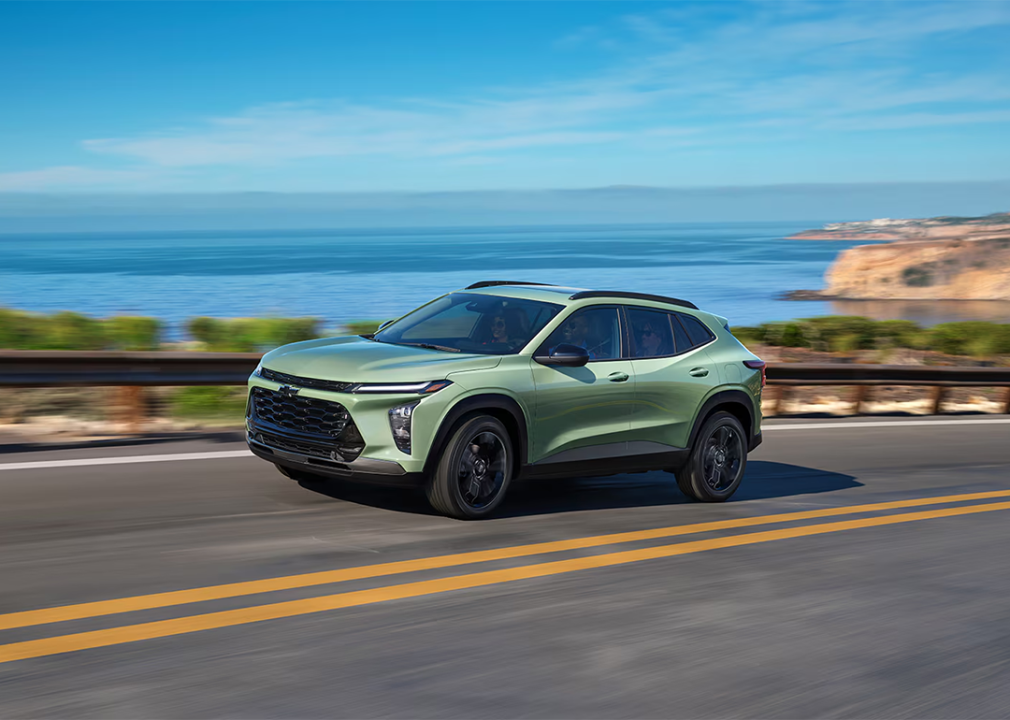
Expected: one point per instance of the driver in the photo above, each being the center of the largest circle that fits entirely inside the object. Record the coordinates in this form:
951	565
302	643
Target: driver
575	331
499	330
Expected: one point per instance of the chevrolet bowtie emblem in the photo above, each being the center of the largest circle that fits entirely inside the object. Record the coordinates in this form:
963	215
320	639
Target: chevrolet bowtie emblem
288	390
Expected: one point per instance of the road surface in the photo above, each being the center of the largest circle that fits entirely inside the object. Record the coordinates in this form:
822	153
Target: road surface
861	571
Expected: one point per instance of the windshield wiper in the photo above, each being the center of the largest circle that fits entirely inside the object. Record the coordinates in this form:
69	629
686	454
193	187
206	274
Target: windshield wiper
429	346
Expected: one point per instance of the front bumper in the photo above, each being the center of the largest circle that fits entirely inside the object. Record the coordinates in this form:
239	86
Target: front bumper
384	472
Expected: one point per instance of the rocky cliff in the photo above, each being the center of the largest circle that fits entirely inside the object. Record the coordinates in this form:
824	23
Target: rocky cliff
941	258
926	269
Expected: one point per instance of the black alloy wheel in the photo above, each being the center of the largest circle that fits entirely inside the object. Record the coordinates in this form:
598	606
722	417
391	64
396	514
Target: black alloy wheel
481	471
474	471
718	460
723	456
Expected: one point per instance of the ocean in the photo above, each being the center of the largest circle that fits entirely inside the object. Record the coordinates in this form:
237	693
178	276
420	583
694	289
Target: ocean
739	270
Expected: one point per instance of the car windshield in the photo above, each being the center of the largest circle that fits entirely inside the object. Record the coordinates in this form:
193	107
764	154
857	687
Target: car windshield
471	323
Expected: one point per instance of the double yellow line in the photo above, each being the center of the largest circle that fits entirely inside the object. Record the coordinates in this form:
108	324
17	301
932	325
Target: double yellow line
273	611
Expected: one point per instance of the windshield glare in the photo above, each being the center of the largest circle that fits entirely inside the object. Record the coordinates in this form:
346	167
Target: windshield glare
472	323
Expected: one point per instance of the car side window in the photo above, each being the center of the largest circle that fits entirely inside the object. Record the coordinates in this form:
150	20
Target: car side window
597	329
651	332
698	333
679	334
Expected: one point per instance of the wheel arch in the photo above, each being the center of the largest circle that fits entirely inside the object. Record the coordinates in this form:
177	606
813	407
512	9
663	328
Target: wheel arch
504	408
736	402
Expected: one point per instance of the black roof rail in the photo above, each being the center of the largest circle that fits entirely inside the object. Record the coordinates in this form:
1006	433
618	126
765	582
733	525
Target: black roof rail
496	283
632	296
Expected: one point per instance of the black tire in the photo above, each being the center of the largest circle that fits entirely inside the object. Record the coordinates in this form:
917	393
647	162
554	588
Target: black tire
718	460
299	475
474	471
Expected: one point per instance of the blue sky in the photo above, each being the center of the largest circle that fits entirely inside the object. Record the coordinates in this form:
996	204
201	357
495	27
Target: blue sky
195	97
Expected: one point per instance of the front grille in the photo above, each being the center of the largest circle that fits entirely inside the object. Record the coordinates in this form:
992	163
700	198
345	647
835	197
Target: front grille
324	428
316	384
298	446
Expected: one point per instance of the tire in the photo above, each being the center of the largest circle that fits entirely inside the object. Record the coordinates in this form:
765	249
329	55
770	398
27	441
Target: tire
474	471
299	475
718	460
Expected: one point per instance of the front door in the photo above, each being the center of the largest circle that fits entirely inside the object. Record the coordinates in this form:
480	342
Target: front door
584	413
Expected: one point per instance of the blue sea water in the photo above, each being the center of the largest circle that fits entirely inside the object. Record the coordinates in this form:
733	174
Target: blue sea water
734	269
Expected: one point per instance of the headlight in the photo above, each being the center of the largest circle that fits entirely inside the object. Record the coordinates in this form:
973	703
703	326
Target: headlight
422	388
399	423
258	372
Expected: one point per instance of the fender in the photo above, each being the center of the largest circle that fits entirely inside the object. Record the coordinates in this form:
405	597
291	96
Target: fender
721	398
476	403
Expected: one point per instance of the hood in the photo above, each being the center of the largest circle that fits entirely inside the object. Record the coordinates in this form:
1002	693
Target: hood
355	359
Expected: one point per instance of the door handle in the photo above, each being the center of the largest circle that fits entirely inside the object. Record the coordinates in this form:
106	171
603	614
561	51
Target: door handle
698	372
617	377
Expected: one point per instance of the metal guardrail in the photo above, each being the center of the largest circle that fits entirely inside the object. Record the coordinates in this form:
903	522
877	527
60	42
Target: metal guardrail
30	368
44	368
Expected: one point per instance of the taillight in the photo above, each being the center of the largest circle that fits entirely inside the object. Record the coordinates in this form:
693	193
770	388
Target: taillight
758	365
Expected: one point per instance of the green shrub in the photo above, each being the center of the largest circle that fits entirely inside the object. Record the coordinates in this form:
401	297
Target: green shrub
21	331
133	333
251	334
976	338
362	327
917	276
843	333
785	334
749	335
896	333
73	331
208	402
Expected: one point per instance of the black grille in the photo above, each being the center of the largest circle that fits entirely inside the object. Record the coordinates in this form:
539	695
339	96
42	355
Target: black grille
331	385
305	448
322	427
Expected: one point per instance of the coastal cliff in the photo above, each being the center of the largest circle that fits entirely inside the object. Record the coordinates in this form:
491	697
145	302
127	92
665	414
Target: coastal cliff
931	259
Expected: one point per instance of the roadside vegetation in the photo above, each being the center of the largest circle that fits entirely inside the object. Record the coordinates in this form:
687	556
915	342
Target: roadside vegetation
841	333
21	330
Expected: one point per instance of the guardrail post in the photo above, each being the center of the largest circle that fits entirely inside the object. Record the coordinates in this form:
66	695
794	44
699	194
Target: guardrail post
778	394
132	407
936	395
862	395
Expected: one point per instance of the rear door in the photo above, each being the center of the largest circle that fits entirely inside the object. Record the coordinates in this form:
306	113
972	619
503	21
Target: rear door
673	373
583	413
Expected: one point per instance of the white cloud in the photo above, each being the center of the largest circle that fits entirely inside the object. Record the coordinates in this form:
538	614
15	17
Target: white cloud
66	177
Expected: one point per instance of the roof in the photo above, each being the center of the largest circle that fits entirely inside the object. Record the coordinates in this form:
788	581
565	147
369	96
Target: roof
551	293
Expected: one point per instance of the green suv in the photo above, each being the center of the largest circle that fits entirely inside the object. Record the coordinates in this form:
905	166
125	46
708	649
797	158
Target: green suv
507	380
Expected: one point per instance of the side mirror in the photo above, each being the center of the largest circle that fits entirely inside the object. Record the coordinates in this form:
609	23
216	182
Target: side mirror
565	355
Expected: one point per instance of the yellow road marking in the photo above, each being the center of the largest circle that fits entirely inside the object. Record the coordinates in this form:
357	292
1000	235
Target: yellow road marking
43	616
230	618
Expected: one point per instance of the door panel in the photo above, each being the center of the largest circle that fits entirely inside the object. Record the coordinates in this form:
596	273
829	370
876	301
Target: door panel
668	391
579	407
590	405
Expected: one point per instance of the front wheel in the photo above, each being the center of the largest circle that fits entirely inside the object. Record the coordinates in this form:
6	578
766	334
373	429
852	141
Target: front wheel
473	473
717	462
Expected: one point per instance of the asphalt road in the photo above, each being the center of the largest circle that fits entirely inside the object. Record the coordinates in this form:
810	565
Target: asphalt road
793	600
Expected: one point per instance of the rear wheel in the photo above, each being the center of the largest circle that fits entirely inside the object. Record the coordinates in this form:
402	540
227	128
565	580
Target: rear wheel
473	473
717	462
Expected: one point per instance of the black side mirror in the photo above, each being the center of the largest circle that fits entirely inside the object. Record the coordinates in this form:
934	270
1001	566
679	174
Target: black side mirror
565	355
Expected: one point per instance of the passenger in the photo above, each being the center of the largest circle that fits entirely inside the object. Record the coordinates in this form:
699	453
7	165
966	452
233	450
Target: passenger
650	343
